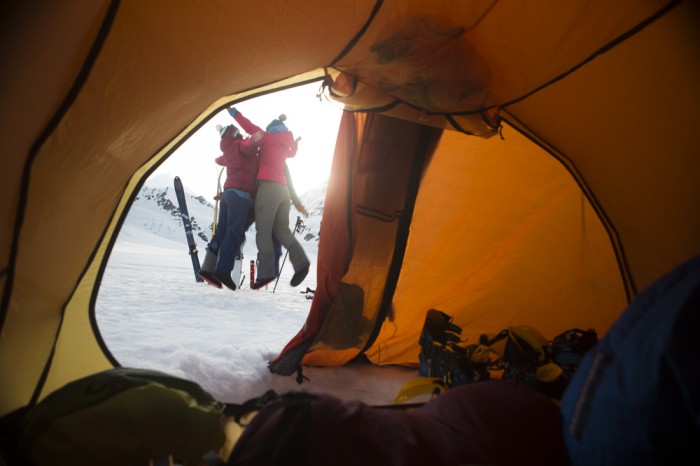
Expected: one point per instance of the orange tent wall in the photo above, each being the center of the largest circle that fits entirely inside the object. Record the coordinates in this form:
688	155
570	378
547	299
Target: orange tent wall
501	235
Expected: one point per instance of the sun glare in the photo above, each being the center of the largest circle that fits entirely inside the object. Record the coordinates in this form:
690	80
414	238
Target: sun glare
315	121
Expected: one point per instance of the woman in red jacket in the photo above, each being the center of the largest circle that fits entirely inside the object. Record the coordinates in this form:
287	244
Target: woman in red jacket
272	199
239	156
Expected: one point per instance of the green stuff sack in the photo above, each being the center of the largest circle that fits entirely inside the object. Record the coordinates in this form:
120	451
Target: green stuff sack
122	417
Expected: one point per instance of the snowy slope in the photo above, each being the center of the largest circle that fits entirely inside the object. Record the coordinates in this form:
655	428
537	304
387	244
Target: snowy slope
151	312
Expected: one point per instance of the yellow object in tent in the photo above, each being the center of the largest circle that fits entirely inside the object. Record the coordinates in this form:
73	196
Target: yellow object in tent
548	372
523	335
420	386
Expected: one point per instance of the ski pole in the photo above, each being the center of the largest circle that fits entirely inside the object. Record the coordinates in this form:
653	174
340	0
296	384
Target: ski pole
296	227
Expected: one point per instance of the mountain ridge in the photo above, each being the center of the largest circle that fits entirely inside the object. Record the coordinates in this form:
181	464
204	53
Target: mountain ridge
155	210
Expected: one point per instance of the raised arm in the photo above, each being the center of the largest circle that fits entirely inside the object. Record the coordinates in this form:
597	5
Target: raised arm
245	123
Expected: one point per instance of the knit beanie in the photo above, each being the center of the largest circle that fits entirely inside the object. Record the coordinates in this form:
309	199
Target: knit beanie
277	126
223	129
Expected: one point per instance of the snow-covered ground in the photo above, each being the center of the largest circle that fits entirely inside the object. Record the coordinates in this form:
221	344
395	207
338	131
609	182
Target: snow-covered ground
153	314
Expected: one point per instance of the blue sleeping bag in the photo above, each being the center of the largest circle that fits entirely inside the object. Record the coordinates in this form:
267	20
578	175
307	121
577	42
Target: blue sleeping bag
635	398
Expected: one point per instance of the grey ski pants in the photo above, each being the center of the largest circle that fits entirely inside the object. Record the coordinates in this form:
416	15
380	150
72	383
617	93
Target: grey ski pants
272	204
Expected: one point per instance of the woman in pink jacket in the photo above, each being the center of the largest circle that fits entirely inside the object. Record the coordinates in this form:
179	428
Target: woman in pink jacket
272	199
239	156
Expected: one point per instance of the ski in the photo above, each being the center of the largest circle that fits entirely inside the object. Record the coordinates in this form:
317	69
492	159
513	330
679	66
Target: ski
216	203
237	266
187	223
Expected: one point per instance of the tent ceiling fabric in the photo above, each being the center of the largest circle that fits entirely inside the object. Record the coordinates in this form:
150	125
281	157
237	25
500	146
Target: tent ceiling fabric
629	141
100	91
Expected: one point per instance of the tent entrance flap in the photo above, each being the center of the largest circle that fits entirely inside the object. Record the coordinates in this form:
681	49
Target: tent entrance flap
383	157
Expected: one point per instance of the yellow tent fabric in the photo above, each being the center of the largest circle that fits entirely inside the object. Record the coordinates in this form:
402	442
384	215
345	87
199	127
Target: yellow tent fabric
96	93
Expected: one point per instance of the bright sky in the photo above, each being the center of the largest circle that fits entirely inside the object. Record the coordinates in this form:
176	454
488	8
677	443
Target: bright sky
316	121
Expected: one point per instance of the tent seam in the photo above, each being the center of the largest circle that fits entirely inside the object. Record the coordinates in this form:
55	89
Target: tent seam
604	49
402	234
360	33
613	235
36	146
67	103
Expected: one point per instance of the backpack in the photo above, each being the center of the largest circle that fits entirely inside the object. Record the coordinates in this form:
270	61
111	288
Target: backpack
120	417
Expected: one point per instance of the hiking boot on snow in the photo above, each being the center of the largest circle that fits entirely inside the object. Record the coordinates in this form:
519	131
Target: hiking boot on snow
209	277
300	274
260	282
226	280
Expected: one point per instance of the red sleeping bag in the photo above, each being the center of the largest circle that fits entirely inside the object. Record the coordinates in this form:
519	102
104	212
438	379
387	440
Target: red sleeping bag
485	423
